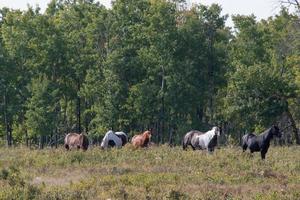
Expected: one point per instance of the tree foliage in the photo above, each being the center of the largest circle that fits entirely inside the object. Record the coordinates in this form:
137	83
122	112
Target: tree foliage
82	67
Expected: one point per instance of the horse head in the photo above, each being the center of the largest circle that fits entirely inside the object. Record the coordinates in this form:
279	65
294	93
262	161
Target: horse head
105	139
217	130
148	133
275	131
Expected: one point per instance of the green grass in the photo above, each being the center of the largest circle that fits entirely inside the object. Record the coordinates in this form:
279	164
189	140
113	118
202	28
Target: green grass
154	173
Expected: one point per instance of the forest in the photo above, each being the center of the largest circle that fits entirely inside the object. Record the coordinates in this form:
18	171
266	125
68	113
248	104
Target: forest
82	67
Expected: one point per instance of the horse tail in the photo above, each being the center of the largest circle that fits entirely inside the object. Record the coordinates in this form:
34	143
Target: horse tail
126	137
244	142
133	138
123	137
184	146
66	138
186	141
85	142
66	141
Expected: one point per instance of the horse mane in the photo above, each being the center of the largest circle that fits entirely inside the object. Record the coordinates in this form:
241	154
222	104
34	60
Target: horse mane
251	135
146	132
196	132
211	130
264	133
73	133
267	132
107	134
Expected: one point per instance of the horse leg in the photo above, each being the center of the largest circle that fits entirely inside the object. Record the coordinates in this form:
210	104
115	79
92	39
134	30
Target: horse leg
210	150
67	147
251	153
244	147
193	147
263	152
111	143
184	145
263	155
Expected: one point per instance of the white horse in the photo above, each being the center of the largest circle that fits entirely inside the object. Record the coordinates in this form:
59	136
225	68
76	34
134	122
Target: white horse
114	139
207	140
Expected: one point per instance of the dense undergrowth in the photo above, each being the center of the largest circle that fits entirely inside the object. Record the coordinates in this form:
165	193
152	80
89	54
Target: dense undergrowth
154	173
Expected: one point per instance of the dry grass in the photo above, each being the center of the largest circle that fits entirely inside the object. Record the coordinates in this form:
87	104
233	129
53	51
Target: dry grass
154	173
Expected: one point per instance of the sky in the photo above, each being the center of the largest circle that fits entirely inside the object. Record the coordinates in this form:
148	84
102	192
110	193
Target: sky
262	9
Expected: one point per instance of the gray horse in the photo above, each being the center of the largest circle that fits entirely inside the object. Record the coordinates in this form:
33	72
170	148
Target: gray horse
199	140
187	139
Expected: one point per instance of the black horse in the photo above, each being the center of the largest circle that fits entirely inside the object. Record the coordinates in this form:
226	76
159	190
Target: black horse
261	142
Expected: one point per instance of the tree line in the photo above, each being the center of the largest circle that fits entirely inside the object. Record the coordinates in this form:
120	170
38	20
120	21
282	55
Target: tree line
82	67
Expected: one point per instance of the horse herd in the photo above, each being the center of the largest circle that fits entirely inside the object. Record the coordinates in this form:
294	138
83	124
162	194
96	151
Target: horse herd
196	139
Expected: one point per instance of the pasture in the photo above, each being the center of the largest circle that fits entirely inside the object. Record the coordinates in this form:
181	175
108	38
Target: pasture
154	173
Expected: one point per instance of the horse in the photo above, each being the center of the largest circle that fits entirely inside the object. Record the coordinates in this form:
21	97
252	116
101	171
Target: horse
75	140
199	140
142	140
188	138
112	139
260	142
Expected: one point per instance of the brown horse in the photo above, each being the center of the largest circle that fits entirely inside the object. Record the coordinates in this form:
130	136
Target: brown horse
141	140
75	140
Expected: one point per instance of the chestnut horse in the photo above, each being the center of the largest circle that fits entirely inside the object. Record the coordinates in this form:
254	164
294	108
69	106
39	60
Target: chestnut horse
141	140
75	140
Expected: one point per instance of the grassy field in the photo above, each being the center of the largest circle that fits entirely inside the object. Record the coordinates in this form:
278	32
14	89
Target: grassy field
154	173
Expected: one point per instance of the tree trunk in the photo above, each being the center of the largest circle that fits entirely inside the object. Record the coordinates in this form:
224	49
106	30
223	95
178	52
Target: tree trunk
240	137
41	142
211	82
158	131
162	116
8	141
162	121
10	136
294	127
64	120
51	141
171	131
6	121
86	120
26	138
56	141
78	108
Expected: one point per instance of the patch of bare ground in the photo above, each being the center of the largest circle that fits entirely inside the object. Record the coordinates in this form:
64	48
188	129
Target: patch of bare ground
67	176
61	179
241	190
